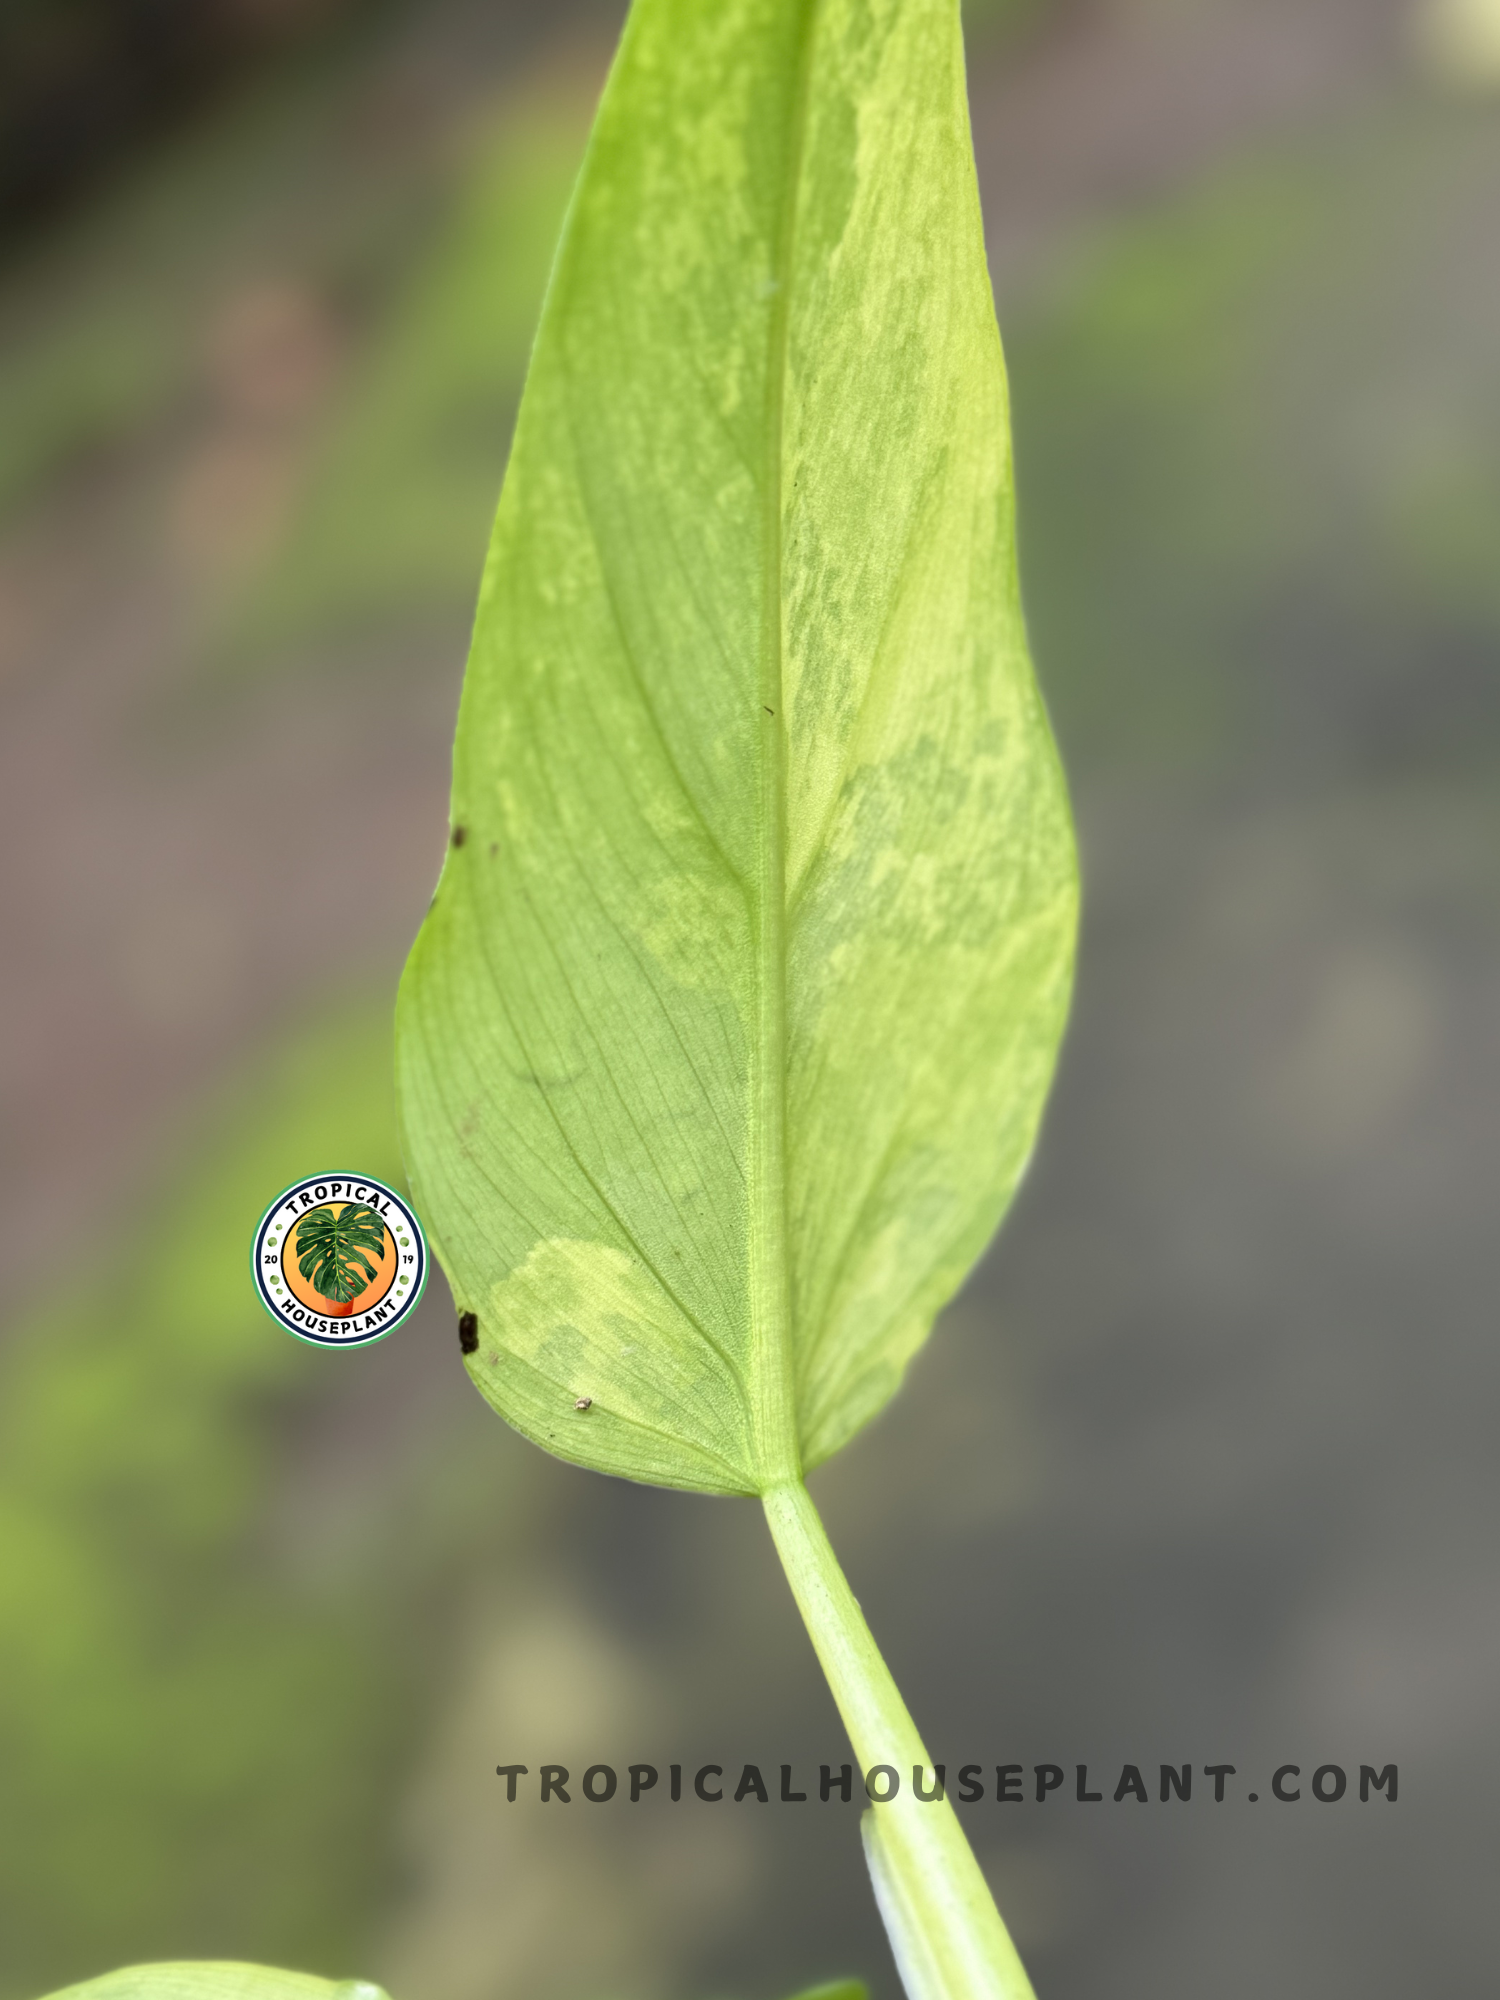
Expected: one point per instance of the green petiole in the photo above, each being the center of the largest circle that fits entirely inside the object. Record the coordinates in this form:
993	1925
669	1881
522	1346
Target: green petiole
947	1935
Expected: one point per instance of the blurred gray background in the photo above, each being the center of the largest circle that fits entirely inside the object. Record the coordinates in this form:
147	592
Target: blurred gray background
1201	1467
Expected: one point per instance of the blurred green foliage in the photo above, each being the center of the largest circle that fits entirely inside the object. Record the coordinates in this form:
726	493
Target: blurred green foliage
397	513
101	321
81	81
989	21
200	1726
82	391
195	1736
1257	435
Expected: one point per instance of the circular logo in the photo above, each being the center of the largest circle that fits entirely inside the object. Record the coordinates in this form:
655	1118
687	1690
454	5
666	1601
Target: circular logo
339	1259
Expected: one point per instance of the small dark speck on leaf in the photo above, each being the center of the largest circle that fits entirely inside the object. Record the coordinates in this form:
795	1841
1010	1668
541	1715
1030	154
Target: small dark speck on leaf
494	849
769	711
468	1332
584	1403
460	835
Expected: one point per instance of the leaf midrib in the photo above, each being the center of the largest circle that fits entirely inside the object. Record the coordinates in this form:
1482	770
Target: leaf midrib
773	1399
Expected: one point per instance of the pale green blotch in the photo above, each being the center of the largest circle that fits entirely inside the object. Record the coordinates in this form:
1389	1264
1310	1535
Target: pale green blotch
579	1319
696	927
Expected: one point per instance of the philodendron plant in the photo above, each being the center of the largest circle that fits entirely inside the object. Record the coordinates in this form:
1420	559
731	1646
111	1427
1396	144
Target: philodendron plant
725	1040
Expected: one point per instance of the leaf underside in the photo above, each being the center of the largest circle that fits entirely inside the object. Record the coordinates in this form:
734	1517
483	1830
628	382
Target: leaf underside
726	1038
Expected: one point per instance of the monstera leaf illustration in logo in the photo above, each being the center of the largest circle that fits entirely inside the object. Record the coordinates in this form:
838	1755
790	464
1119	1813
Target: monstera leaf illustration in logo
331	1247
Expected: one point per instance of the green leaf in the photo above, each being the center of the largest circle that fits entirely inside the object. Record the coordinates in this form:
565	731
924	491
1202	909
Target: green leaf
221	1981
216	1981
725	1041
329	1246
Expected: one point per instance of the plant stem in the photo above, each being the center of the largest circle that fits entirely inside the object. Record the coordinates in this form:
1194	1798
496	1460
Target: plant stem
948	1937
